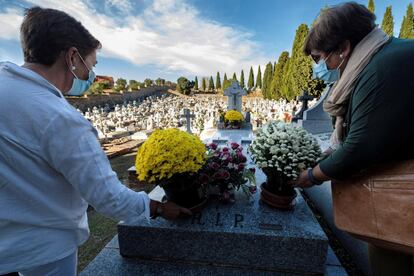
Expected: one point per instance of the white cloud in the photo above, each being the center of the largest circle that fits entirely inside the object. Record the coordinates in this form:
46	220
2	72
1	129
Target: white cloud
10	21
168	33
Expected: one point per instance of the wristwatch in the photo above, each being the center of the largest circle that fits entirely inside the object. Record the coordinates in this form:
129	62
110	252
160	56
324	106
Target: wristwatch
312	178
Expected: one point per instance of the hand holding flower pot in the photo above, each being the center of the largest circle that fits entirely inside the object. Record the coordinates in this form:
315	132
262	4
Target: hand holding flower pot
282	150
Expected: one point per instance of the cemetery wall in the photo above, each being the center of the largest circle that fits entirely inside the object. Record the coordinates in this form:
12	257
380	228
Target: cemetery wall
83	103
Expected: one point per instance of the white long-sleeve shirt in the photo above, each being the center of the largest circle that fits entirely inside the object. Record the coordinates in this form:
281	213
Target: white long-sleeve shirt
51	165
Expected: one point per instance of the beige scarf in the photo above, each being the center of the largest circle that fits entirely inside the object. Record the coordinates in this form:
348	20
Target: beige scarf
336	103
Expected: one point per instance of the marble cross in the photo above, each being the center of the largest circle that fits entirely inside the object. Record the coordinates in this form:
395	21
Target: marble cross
234	94
187	115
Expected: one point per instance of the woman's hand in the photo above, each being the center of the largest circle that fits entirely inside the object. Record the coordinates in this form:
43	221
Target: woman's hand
302	181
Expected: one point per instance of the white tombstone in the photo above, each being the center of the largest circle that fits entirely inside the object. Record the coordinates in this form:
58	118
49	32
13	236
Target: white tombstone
234	94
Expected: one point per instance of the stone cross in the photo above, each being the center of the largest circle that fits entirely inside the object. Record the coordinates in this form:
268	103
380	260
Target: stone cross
304	99
234	94
187	115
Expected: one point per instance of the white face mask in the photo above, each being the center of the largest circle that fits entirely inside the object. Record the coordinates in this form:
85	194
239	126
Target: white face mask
79	87
321	71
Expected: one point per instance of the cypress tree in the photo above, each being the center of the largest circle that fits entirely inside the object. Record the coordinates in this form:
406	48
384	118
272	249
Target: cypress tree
226	82
259	78
371	6
407	26
218	81
196	84
388	22
234	76
242	79
276	84
299	74
203	84
267	78
250	82
211	84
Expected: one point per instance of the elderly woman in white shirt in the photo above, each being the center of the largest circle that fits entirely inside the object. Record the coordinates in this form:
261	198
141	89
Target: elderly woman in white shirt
51	163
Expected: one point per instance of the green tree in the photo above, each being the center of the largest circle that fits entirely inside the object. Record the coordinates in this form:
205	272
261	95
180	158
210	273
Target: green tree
218	81
259	78
226	82
371	6
242	79
203	84
276	84
160	82
234	77
407	25
148	82
120	84
388	22
196	84
211	84
250	82
267	79
184	85
298	77
133	85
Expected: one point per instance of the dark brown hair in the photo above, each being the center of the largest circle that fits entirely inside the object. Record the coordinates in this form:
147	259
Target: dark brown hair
46	33
334	25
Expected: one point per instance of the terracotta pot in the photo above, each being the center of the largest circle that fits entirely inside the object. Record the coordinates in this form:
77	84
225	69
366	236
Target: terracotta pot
284	202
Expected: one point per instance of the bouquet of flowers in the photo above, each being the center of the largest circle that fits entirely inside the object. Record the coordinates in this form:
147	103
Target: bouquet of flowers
233	118
226	170
167	153
282	151
172	159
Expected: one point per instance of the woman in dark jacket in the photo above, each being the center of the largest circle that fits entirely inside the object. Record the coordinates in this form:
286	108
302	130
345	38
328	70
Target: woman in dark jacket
371	100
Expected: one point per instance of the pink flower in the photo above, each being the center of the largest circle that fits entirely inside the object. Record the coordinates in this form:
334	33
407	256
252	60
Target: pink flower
252	189
234	145
229	159
225	149
253	170
217	175
213	146
241	167
226	175
215	166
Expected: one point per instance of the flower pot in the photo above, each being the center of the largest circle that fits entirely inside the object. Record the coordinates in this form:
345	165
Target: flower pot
187	198
283	202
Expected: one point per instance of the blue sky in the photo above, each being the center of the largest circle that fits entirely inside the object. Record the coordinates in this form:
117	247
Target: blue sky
172	38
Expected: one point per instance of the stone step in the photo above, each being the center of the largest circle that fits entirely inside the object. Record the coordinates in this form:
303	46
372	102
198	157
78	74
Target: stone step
109	263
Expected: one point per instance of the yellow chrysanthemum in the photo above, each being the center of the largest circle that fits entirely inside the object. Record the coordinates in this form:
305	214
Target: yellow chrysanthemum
168	152
233	116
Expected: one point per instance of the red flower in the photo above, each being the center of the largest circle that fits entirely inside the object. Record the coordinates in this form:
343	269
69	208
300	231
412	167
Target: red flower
241	167
253	170
234	145
213	146
225	149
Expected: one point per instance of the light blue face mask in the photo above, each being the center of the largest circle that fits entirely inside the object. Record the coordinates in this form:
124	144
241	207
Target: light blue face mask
321	71
79	86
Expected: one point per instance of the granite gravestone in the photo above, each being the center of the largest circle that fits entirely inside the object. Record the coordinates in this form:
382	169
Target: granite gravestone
246	235
315	120
234	94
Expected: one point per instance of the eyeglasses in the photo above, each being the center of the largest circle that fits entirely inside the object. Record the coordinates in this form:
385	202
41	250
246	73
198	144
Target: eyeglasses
317	58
